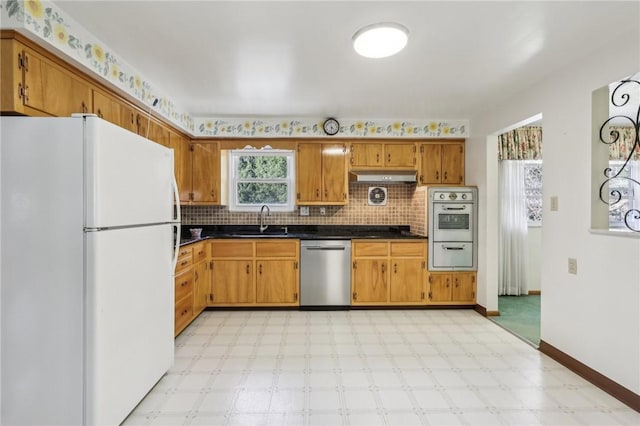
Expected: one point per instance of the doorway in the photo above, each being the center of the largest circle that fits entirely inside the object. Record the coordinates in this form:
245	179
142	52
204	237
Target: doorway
518	229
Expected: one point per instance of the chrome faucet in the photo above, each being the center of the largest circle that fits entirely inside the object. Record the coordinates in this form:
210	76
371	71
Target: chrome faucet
264	227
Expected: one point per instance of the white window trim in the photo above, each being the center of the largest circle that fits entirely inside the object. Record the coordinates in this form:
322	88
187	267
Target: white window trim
233	179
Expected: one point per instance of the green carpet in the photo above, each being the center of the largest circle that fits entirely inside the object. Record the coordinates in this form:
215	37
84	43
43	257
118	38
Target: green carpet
521	316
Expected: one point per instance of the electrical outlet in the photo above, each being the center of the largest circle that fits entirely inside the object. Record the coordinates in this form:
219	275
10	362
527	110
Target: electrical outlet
573	266
554	203
323	211
304	211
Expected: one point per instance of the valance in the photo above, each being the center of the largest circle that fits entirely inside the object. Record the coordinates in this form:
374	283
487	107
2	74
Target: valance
523	143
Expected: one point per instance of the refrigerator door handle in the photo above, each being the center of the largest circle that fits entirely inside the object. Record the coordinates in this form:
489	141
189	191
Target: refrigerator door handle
177	223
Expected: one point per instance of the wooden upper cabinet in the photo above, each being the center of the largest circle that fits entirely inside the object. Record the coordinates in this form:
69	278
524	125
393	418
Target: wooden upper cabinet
205	166
11	79
128	118
48	88
442	163
154	131
400	155
321	173
182	165
106	107
367	155
373	155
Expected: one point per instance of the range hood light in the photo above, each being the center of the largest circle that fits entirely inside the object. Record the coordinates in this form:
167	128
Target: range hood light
383	176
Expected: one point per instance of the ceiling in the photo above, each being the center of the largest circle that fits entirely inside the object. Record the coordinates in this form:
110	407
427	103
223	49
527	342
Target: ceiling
295	59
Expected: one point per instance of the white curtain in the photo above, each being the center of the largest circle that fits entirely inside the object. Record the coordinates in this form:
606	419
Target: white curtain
512	273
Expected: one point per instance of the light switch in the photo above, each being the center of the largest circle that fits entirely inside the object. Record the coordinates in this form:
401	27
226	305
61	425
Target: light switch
573	266
554	203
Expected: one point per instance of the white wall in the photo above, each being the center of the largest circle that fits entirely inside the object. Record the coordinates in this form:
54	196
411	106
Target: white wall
593	316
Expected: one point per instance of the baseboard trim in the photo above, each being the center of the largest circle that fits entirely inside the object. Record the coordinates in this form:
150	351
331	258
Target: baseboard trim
603	382
535	292
483	311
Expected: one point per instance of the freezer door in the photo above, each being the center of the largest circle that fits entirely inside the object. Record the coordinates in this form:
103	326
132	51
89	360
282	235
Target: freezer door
129	318
128	178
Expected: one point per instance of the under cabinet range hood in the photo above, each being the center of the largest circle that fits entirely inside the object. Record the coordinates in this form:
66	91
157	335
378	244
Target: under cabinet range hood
383	176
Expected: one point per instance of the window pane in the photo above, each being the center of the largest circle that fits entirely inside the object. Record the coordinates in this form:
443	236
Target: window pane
262	167
533	192
262	193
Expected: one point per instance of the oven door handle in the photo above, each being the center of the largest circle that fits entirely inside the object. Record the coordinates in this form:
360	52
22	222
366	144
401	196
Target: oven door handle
454	208
452	248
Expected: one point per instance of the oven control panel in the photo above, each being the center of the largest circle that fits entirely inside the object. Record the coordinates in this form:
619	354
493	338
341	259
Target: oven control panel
455	196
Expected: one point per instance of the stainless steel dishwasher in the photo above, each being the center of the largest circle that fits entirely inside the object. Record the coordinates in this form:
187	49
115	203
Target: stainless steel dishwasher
325	274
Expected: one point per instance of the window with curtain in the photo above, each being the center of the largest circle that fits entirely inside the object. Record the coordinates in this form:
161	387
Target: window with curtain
625	186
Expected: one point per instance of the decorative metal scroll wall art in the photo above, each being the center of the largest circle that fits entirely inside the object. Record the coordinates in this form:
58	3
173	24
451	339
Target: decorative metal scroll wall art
615	177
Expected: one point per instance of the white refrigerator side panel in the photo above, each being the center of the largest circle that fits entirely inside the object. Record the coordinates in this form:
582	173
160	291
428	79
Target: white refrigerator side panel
130	318
129	178
42	271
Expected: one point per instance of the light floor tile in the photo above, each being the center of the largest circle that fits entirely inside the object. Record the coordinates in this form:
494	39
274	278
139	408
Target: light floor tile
422	367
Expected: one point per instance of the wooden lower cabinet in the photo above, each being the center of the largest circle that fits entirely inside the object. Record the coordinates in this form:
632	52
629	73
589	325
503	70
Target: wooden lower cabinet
183	295
388	272
451	288
255	272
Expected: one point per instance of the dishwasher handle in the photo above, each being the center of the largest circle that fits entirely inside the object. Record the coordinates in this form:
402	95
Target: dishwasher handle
324	248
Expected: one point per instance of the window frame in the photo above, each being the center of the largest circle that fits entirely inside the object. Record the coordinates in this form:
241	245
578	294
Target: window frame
234	179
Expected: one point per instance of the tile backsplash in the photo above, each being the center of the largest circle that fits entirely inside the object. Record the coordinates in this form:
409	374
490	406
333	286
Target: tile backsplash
405	206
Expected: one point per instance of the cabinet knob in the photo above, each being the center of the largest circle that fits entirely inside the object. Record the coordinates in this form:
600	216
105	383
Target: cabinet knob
437	175
247	268
445	175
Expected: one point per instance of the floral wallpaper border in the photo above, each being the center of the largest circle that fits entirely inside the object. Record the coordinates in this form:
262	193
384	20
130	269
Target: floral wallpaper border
312	127
47	22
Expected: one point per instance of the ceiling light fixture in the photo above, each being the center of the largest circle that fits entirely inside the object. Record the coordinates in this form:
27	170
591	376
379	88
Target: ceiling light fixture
380	40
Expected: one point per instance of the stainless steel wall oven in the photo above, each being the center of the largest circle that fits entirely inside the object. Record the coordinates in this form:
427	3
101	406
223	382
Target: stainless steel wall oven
453	228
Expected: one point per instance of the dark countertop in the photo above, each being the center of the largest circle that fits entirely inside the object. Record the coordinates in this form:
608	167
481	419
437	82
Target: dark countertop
303	232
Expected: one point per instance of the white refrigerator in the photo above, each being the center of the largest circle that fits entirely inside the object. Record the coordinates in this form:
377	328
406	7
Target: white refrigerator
87	261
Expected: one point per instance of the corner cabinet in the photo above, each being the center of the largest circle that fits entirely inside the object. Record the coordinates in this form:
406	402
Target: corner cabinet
321	174
441	163
388	272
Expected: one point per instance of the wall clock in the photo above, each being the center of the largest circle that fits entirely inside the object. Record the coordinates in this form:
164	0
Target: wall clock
331	126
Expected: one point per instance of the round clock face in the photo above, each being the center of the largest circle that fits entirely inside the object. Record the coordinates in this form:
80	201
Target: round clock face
331	126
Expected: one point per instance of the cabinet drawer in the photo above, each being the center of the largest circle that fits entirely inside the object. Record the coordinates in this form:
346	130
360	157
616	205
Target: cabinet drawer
288	248
185	251
415	248
183	285
199	252
183	313
184	262
370	248
231	248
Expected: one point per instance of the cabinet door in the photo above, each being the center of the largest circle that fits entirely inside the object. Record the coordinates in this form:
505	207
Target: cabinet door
464	287
407	280
106	107
182	165
334	173
201	287
430	163
400	155
369	278
154	131
453	164
232	282
52	89
309	173
277	281
128	118
439	288
205	168
365	155
11	78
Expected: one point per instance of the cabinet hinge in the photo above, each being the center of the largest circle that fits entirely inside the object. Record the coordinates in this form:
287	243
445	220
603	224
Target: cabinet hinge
355	296
430	279
20	61
295	265
422	149
211	297
461	149
344	195
298	195
414	148
422	295
191	148
355	265
423	264
430	296
191	196
295	297
211	265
